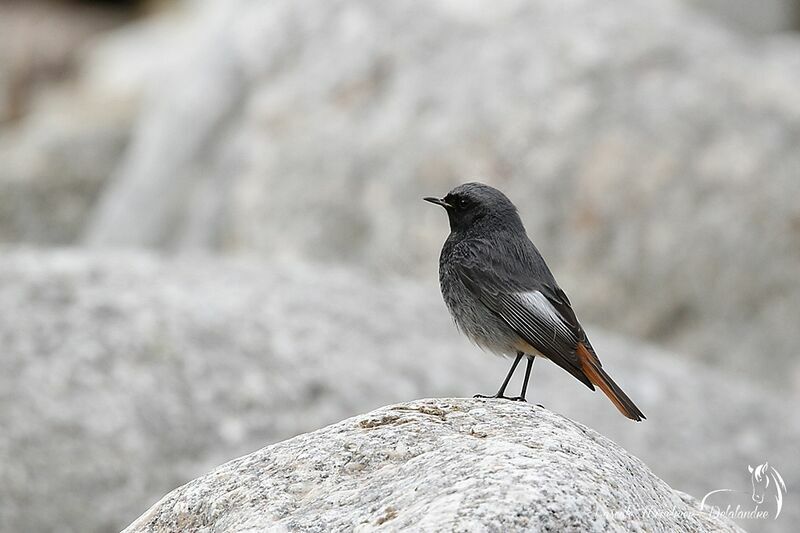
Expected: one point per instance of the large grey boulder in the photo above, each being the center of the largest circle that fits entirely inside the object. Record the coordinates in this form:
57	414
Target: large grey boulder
652	152
123	376
435	465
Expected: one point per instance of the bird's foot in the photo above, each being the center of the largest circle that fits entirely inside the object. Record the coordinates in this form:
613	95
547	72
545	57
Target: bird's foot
501	397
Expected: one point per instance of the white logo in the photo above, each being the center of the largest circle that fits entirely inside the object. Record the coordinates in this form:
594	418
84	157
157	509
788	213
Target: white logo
767	486
767	480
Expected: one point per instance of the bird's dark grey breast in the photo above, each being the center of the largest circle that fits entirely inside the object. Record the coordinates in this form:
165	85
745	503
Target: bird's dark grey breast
481	325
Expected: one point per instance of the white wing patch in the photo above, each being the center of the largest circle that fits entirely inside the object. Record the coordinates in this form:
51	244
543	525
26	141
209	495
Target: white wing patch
539	304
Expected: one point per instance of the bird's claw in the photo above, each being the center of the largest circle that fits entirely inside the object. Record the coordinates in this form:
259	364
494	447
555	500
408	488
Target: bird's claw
501	397
487	397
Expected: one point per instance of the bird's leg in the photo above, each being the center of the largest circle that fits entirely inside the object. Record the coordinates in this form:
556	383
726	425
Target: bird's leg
500	393
521	397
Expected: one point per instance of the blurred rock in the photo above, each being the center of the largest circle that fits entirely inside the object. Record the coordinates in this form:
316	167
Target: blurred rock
71	113
123	376
435	465
55	162
766	16
40	43
653	153
62	145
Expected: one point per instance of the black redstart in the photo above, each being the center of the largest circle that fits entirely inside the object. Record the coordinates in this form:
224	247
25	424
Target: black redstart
503	296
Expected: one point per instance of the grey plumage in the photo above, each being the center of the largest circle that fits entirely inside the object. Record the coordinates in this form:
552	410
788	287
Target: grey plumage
502	294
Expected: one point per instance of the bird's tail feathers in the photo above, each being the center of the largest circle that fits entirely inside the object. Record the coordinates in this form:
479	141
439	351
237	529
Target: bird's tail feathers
594	371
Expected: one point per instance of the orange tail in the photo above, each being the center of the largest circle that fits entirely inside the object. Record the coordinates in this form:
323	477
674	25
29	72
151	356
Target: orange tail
594	371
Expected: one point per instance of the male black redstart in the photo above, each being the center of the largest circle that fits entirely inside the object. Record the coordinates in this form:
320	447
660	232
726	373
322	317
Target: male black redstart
503	296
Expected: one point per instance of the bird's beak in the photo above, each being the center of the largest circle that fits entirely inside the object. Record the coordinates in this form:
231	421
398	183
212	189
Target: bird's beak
437	201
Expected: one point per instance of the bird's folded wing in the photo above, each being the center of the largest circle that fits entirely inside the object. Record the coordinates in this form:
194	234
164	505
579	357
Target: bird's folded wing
538	313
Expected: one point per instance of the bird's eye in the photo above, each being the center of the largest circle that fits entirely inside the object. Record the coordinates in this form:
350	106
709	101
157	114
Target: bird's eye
463	202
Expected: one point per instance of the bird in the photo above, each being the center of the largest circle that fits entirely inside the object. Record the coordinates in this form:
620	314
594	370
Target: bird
504	298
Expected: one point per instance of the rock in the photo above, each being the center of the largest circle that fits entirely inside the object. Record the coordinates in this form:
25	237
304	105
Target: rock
764	17
39	45
55	163
124	375
435	465
67	137
652	152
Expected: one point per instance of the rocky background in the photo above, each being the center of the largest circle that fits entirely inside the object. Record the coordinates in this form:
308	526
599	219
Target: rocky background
238	185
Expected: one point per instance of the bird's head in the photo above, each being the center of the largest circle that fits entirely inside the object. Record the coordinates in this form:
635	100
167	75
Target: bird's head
475	204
